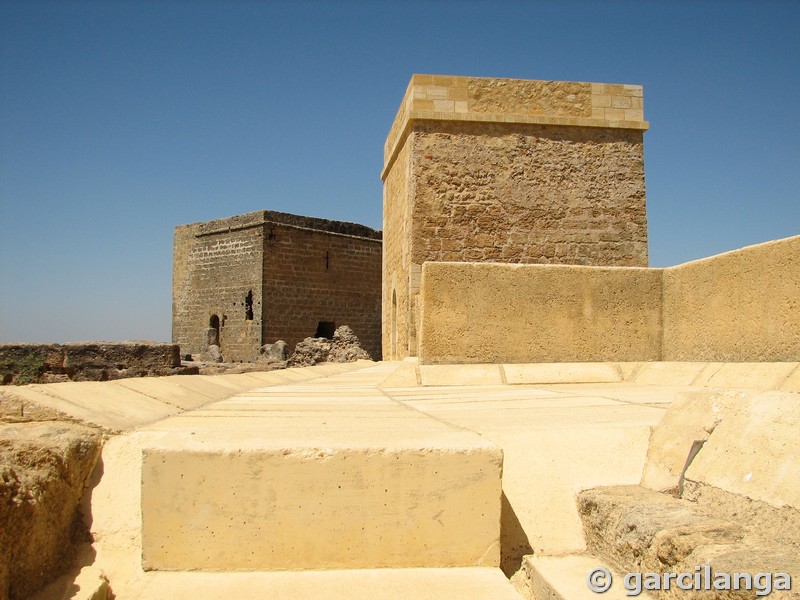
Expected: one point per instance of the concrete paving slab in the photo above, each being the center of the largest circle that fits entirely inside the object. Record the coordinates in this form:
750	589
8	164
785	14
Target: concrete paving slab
164	390
629	369
792	382
445	375
404	376
624	392
762	376
552	450
202	384
562	373
669	373
100	403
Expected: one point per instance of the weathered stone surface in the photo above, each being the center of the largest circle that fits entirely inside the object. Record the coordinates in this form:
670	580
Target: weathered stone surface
276	352
639	530
554	98
738	306
86	361
538	313
344	347
212	354
44	468
636	529
310	352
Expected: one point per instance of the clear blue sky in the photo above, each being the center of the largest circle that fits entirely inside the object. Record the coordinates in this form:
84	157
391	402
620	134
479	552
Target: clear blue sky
121	120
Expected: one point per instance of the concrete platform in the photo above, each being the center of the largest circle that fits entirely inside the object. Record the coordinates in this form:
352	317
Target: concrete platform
334	479
361	466
124	404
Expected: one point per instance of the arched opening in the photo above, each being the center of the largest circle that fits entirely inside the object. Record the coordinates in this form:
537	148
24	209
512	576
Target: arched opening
393	332
212	336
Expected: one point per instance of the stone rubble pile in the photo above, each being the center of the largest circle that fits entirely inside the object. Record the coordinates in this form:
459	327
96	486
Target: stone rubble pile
344	347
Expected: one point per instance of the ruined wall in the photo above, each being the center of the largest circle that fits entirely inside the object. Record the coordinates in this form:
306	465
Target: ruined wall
738	306
495	313
499	170
312	276
21	364
216	265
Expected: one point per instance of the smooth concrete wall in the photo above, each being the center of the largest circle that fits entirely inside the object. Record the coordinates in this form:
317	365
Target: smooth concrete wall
738	306
741	306
490	313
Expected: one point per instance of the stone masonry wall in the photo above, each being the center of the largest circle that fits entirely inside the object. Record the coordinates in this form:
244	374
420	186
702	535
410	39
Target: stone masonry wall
521	193
216	265
396	227
313	276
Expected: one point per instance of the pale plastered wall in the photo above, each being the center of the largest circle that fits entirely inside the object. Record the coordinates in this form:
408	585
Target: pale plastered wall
490	313
737	307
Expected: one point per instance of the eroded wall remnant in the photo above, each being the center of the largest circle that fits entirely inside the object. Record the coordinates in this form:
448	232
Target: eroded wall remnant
252	279
512	171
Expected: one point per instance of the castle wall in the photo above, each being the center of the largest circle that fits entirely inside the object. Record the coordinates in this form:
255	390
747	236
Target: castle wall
539	313
216	265
499	170
312	276
738	306
741	306
520	193
396	226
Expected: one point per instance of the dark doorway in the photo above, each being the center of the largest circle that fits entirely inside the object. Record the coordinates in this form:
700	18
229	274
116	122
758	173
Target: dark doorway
325	329
212	337
248	306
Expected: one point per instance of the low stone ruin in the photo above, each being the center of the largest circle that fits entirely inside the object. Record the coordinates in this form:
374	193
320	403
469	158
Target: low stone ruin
343	347
22	364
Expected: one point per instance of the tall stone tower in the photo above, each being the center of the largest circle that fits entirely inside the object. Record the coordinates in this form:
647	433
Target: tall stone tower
508	170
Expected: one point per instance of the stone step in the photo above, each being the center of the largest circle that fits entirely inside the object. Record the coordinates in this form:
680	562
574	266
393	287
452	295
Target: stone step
565	578
284	483
466	583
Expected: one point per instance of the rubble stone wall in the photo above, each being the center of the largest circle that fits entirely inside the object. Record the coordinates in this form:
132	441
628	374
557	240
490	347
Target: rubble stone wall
217	264
93	361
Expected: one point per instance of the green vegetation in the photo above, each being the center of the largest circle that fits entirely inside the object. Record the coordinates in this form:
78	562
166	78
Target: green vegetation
24	368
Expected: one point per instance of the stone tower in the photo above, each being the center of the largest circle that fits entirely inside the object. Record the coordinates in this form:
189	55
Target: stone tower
511	171
252	279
